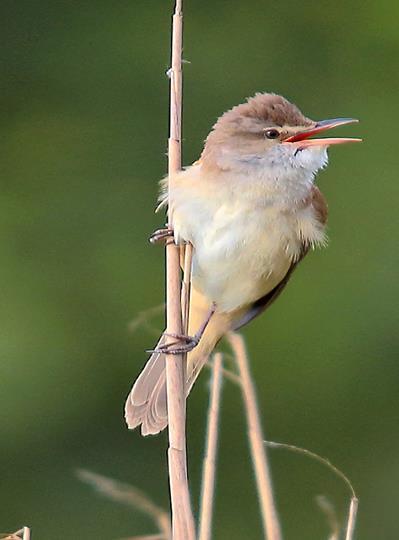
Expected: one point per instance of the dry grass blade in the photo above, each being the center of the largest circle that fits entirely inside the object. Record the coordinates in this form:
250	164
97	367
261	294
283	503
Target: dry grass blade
232	377
209	468
270	520
320	459
227	373
353	507
329	511
143	318
127	494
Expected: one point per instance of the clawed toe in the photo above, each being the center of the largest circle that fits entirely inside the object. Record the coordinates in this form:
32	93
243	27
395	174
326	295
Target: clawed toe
170	348
161	235
184	343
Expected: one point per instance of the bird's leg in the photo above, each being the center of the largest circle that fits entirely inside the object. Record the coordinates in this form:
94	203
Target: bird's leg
189	342
162	235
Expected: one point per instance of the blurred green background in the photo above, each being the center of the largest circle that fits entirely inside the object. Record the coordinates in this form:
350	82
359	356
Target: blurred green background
83	138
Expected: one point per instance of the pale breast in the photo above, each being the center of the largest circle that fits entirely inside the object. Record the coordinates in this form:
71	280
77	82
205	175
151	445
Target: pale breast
242	250
242	258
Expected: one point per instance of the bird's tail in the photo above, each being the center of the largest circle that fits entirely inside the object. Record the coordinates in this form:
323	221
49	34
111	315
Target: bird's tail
146	404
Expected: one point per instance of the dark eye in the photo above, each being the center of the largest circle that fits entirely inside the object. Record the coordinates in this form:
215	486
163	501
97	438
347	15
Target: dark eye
272	133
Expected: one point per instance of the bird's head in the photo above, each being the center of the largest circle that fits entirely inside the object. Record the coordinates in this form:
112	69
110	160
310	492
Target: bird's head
270	132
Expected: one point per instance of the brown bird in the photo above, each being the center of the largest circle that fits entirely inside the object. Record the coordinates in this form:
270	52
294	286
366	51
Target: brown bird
251	210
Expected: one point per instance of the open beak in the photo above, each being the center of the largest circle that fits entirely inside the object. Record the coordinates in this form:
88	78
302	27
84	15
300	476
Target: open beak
302	139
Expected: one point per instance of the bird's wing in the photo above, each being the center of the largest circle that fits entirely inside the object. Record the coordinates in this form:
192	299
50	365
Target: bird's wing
317	200
319	203
265	301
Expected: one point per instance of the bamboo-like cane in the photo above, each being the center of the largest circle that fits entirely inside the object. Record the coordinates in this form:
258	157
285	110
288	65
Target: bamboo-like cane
209	467
182	519
270	519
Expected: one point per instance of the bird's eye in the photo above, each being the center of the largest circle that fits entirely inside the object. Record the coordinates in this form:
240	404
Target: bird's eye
272	133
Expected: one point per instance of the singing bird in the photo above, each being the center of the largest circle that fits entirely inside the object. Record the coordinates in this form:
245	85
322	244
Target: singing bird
251	210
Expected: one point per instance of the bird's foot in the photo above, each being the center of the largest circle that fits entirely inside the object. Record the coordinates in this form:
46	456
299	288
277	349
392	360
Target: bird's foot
162	235
187	344
184	343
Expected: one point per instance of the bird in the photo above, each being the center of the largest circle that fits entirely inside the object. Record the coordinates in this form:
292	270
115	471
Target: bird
252	211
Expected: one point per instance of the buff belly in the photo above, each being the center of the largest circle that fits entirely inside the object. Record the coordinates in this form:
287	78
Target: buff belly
234	266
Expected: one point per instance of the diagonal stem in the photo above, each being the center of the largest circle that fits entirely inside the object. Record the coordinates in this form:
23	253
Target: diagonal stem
209	468
270	519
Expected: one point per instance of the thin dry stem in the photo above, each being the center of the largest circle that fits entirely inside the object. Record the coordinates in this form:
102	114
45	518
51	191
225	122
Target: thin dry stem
329	511
351	522
209	467
182	518
270	520
127	494
143	318
232	377
228	374
316	457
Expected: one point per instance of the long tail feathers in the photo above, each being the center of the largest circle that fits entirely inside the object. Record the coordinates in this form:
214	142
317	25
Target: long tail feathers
142	403
146	404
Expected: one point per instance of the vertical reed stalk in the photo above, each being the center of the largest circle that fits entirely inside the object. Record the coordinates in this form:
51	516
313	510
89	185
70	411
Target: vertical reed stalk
182	518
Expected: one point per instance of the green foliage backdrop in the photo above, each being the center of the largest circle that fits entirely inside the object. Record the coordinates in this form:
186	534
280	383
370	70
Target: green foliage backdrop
83	137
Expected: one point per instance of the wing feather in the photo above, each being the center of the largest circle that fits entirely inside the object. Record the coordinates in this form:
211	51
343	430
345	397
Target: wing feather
319	204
